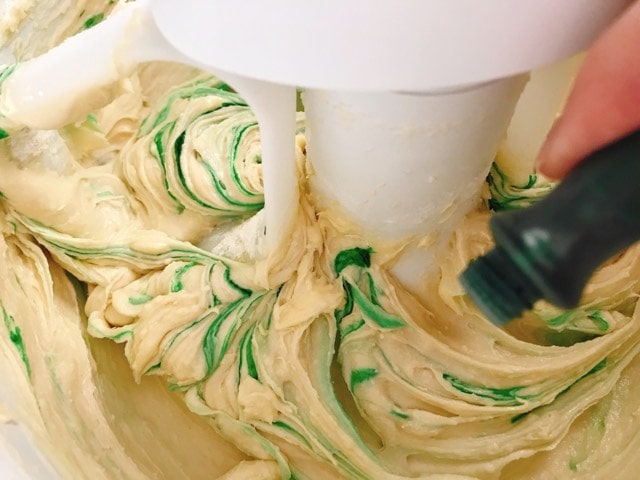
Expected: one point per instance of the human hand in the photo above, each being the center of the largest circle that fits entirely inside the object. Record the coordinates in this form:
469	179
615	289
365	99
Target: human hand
604	103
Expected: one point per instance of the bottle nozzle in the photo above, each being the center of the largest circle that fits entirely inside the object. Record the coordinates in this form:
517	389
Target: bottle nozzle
499	287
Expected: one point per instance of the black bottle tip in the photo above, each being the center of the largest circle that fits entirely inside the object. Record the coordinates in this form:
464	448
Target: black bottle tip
498	287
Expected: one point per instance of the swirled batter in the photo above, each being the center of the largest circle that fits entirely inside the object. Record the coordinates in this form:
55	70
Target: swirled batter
142	345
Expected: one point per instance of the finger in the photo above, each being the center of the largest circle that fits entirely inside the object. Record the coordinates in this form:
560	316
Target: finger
604	103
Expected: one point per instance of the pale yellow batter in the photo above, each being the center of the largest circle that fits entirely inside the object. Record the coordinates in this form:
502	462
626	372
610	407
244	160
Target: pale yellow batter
141	348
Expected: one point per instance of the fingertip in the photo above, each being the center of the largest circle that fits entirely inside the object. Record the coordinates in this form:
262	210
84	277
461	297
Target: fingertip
555	152
548	166
603	103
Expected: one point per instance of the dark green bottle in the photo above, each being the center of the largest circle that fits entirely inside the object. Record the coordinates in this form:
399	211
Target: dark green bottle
550	250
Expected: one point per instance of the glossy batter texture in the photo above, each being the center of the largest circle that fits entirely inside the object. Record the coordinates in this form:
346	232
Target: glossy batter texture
147	335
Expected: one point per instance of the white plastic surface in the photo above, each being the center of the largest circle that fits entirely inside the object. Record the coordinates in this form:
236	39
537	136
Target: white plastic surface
407	164
411	45
20	458
397	161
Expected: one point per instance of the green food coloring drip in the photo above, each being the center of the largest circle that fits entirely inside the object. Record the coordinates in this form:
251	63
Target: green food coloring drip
504	396
359	257
352	327
508	196
520	416
570	316
176	284
15	335
376	313
398	414
365	298
93	21
361	375
347	309
246	356
289	429
600	322
140	299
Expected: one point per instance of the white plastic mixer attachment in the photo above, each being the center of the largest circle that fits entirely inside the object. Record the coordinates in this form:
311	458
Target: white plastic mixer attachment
407	164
